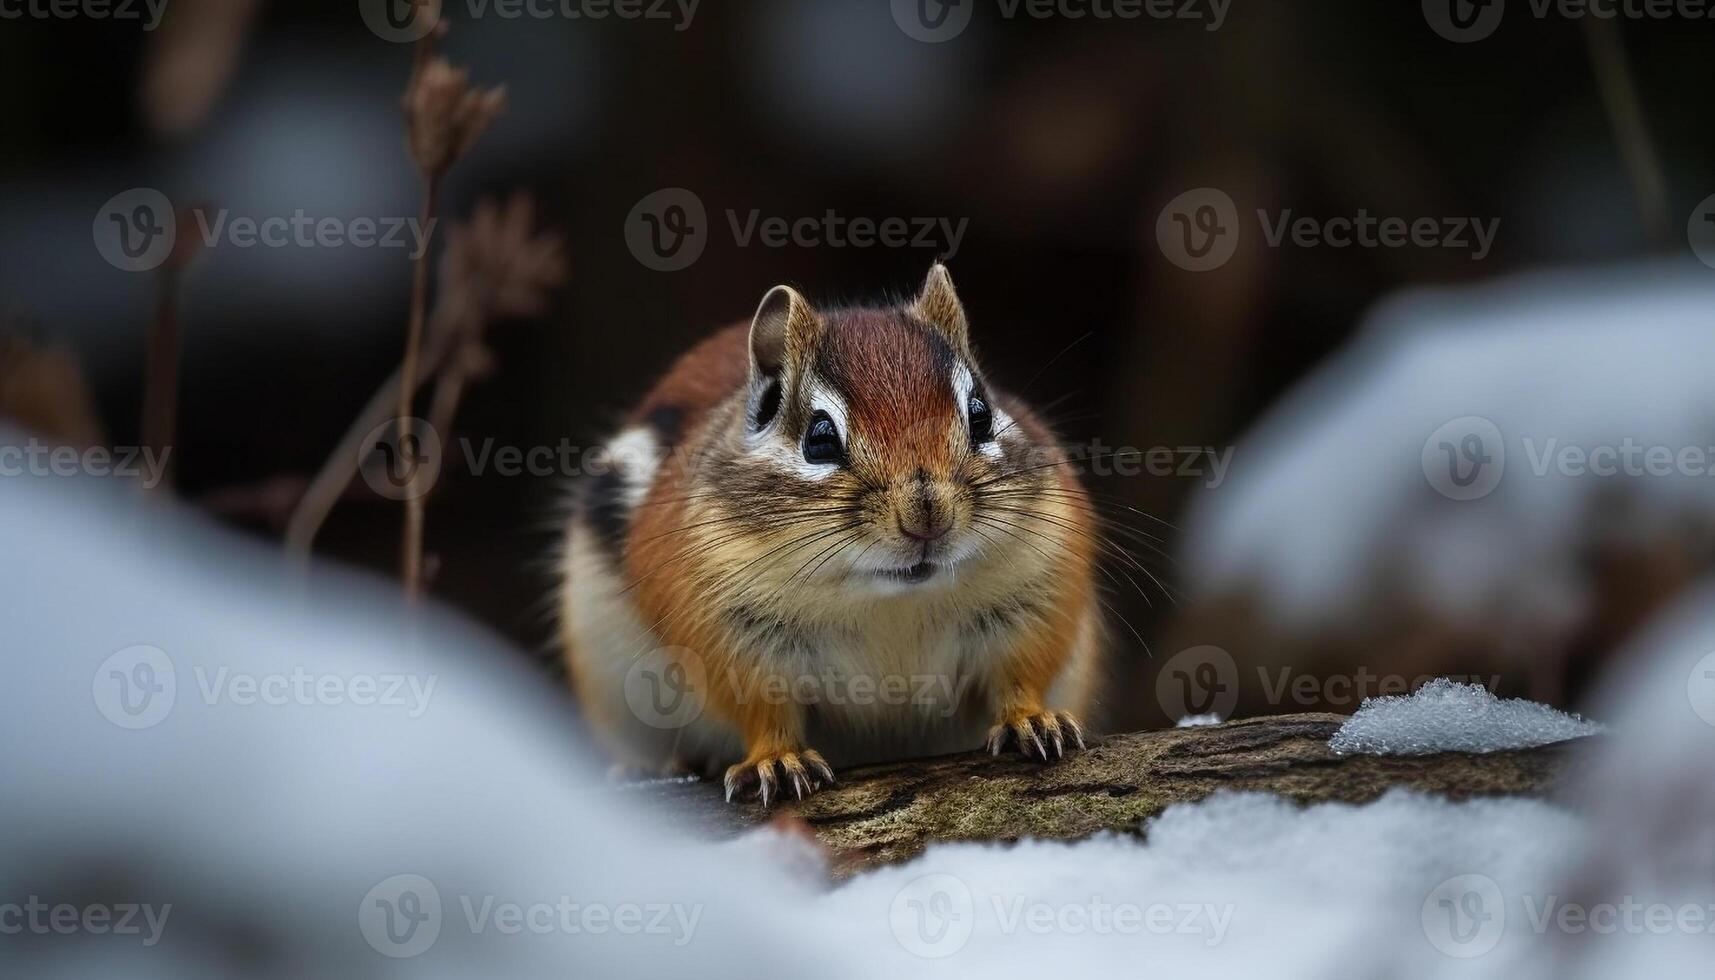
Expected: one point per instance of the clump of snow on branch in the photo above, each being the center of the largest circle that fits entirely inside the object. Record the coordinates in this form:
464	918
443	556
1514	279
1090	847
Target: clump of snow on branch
1445	716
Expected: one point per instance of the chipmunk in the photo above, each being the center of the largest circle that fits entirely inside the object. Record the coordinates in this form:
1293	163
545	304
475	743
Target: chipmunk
833	534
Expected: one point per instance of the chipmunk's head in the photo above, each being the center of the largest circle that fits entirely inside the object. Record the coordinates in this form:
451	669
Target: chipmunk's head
878	442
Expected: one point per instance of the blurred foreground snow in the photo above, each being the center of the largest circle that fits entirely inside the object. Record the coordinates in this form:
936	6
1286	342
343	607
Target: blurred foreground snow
190	729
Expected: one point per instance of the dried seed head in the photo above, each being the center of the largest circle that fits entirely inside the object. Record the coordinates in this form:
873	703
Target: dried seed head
444	115
497	265
190	60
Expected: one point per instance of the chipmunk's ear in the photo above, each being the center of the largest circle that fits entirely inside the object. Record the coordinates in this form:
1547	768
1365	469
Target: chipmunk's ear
939	306
783	333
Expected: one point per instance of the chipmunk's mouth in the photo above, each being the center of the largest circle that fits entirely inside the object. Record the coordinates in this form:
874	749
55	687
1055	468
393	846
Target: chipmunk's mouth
923	571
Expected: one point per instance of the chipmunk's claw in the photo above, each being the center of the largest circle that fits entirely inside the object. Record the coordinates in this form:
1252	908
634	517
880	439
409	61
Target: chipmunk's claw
1041	735
803	772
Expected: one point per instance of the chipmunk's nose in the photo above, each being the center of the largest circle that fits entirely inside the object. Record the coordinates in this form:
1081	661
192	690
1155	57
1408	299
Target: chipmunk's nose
925	517
927	531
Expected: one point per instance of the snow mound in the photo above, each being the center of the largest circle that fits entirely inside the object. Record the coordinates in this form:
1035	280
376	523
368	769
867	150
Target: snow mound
1444	716
1238	885
1337	502
1198	721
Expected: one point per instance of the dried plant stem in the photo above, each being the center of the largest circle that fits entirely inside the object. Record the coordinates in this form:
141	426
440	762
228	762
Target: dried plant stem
411	549
336	474
1625	113
161	376
449	390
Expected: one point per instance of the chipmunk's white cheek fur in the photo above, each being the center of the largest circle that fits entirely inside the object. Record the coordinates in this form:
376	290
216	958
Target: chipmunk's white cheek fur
636	455
824	399
770	446
991	450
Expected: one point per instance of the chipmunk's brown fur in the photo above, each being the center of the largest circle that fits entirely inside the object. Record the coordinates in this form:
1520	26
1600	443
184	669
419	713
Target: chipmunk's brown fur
826	533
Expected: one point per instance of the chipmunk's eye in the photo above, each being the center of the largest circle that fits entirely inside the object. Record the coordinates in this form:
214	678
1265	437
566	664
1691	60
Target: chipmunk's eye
982	421
822	441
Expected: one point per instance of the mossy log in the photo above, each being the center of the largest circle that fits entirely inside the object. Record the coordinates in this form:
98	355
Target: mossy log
888	813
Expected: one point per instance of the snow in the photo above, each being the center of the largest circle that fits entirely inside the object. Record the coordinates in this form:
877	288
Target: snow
1198	721
1445	716
1329	509
1237	885
274	829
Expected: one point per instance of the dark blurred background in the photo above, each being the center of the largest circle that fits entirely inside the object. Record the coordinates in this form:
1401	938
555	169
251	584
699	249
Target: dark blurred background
1059	140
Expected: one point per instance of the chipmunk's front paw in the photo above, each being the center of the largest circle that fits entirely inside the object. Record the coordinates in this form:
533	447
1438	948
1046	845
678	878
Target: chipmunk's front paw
1040	735
803	772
